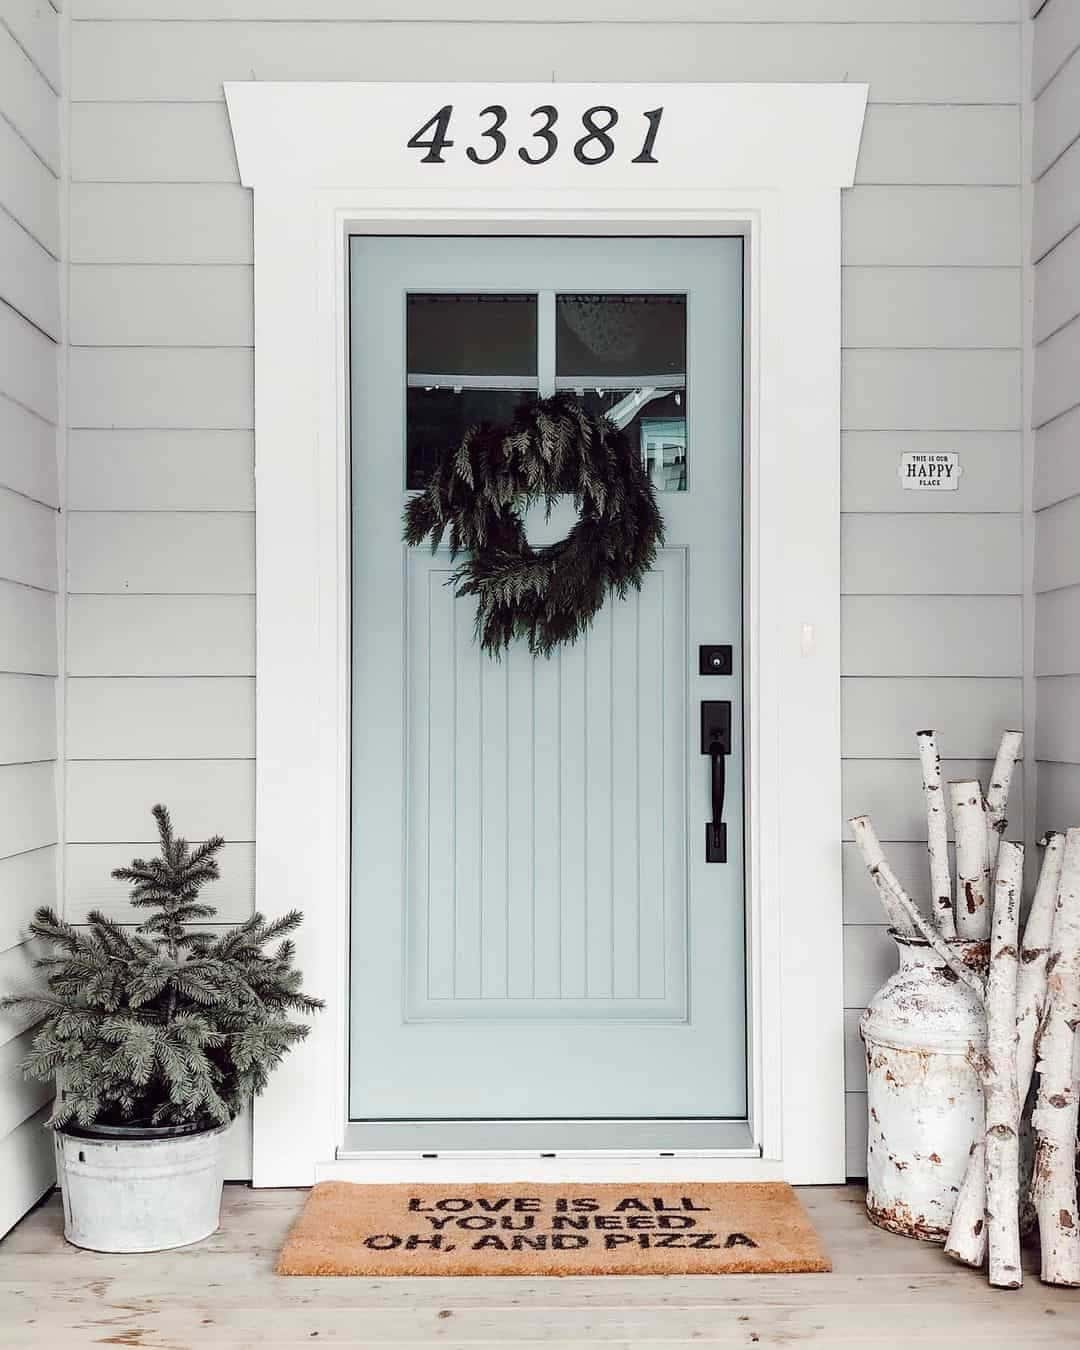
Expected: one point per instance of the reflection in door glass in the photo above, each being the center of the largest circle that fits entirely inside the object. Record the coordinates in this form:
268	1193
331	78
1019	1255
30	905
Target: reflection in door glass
625	356
470	358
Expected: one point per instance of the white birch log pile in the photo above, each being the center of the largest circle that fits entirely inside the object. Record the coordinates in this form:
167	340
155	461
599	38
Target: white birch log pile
967	1241
1055	1115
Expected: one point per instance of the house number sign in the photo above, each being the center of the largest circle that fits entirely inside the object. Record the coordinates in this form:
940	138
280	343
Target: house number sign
593	140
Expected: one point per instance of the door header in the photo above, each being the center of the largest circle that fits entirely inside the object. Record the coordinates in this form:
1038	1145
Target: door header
578	136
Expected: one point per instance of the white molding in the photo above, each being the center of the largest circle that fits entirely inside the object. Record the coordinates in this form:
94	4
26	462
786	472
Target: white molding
767	161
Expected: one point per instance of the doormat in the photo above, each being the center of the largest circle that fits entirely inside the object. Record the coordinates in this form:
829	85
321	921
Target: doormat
649	1228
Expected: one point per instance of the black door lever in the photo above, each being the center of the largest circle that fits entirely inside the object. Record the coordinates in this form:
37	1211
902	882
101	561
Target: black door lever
716	743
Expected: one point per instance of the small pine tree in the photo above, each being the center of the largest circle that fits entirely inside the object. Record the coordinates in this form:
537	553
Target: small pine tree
164	1024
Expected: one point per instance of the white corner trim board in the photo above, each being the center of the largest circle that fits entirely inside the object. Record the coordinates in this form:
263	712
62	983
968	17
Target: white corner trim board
766	161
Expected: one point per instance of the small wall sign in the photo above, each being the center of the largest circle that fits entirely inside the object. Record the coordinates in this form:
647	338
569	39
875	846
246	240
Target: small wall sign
930	472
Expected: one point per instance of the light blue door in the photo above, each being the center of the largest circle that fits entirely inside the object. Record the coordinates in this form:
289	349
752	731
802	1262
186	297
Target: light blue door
536	931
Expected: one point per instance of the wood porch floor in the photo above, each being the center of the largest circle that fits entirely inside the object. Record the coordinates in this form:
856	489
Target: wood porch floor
885	1291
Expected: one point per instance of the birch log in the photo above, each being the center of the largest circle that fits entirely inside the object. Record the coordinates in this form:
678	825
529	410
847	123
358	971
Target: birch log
899	905
997	794
1034	951
967	1232
972	860
937	839
1055	1115
997	1067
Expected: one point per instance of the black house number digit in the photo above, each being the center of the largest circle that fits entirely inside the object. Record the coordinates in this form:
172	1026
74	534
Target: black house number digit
597	144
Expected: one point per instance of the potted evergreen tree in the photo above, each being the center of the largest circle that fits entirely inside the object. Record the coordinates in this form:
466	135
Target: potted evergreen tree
157	1035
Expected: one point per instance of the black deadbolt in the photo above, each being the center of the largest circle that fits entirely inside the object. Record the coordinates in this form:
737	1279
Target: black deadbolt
714	659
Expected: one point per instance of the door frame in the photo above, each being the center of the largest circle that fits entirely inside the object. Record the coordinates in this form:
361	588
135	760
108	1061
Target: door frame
778	184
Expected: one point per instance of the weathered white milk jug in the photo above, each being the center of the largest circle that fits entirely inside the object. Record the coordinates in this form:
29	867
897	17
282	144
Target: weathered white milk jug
925	1101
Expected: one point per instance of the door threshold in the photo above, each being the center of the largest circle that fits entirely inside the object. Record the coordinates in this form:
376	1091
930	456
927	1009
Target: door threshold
562	1166
545	1139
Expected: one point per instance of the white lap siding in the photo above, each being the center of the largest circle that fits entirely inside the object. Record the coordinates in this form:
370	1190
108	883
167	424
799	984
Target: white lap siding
29	497
1056	409
161	441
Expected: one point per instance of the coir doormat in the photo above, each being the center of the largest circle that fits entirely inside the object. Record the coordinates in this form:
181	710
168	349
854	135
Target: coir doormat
634	1229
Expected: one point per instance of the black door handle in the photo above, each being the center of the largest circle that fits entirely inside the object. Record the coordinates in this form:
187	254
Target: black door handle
716	743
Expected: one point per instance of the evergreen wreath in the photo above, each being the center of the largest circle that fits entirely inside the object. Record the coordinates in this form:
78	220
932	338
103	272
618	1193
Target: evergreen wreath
479	492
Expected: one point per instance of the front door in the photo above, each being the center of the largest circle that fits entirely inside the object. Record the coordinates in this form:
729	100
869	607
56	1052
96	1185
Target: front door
537	933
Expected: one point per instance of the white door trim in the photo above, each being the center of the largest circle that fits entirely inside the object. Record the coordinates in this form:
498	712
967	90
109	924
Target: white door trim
768	161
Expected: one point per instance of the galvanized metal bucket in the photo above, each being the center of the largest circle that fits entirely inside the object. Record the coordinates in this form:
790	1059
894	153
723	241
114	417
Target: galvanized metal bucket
127	1190
924	1099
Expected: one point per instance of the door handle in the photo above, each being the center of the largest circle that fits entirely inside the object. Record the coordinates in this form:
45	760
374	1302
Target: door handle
716	743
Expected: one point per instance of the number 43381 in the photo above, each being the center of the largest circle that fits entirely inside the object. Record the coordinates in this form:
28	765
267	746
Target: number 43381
593	142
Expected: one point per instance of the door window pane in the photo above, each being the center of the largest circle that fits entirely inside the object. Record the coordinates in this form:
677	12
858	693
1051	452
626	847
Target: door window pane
470	358
625	356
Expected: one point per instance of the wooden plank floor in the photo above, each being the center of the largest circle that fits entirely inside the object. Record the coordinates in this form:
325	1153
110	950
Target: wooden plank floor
884	1292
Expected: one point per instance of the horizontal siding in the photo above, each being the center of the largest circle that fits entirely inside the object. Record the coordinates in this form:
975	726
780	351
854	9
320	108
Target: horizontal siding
940	390
152	387
1056	297
969	635
28	103
26	1163
27	453
19	1100
1056	36
161	635
27	364
27	807
29	189
943	554
1057	632
175	718
525	11
880	715
35	26
28	725
129	62
27	880
1057	115
27	541
154	470
1057	466
1059	796
1057	551
27	630
932	226
110	801
1056	208
29	277
185	306
159	552
1057	365
931	307
1058	732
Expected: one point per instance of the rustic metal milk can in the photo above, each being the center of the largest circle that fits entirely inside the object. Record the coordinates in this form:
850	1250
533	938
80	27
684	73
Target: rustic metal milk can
924	1099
